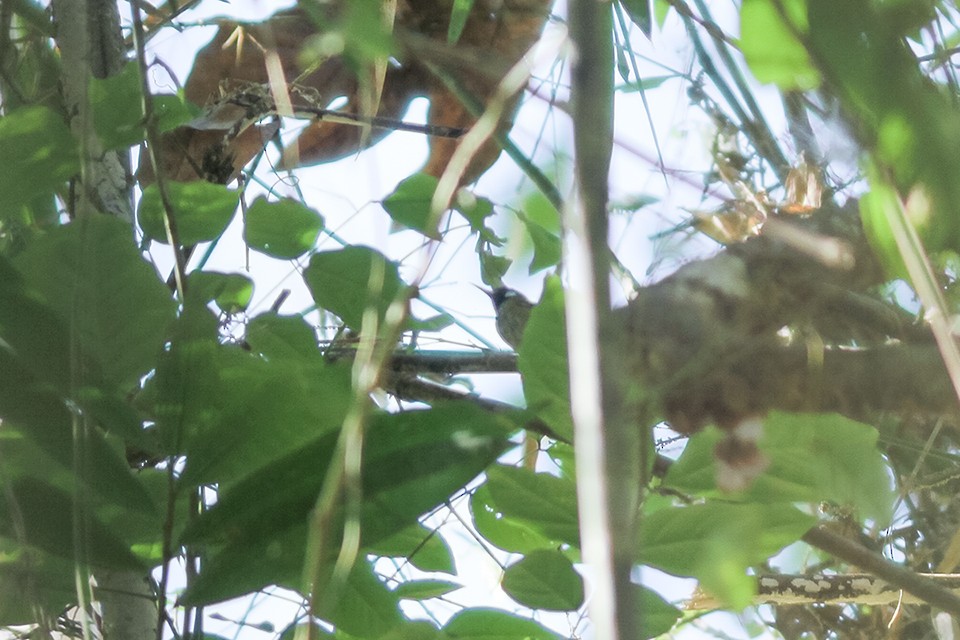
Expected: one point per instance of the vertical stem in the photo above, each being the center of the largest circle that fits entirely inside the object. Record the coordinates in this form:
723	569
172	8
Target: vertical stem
88	35
91	45
608	451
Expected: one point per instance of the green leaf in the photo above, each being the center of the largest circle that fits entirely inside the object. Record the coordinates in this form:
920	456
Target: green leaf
475	210
458	19
716	542
365	608
42	516
42	448
185	393
492	267
19	603
503	531
413	461
340	282
116	103
543	361
542	221
91	274
202	211
265	410
772	49
546	503
425	589
804	454
424	548
275	336
283	229
639	12
248	565
231	291
875	208
39	154
433	323
805	465
491	624
38	340
409	204
171	111
657	616
544	579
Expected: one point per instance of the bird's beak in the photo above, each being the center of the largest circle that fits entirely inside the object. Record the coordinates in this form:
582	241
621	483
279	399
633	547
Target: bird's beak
489	293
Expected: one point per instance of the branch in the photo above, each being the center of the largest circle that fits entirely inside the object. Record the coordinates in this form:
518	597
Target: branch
922	587
885	582
845	588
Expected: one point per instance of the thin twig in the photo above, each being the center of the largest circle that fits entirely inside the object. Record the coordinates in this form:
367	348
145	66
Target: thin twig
153	149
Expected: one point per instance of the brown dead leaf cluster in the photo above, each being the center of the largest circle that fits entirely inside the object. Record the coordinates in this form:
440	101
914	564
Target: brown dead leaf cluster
216	146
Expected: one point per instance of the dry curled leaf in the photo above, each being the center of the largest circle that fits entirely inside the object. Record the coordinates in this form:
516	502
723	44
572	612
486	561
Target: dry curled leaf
496	36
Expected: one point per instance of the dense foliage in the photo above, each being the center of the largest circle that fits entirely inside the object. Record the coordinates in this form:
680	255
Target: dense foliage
157	418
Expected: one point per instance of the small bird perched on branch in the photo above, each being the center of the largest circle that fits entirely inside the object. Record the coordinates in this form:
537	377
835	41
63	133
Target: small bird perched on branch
513	311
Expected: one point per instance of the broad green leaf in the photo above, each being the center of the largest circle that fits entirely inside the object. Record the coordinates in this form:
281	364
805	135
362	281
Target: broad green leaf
118	111
230	291
492	267
171	111
35	340
409	204
543	361
118	310
458	19
202	211
546	503
185	393
365	608
248	565
20	572
41	447
42	516
265	410
805	465
425	589
422	547
657	616
716	542
116	104
544	579
340	282
771	47
492	624
694	472
803	451
542	221
475	209
39	154
283	229
504	531
406	630
639	12
275	336
413	461
911	127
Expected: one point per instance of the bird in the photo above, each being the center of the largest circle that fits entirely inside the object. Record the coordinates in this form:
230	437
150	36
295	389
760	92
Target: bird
513	311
